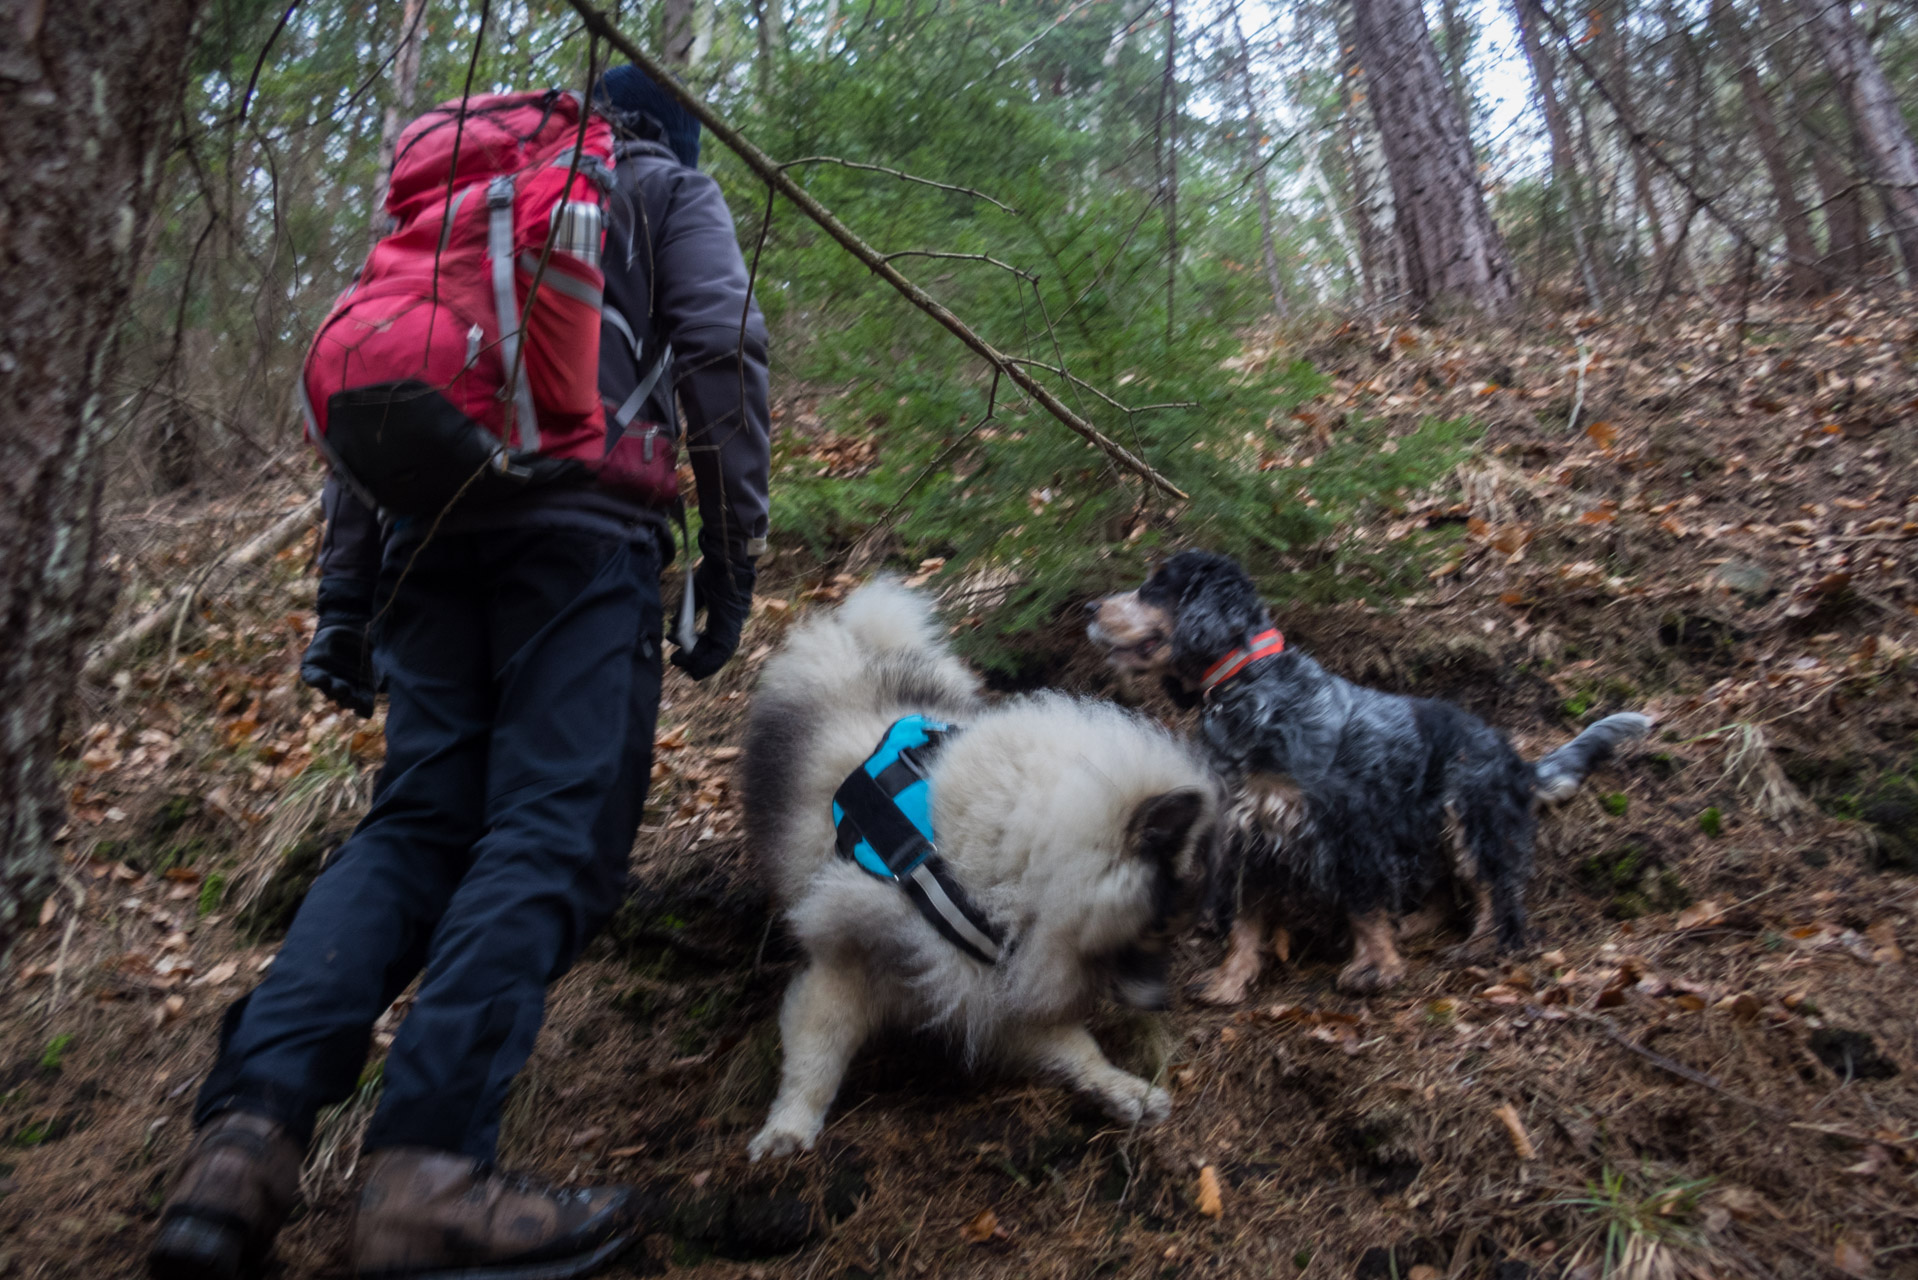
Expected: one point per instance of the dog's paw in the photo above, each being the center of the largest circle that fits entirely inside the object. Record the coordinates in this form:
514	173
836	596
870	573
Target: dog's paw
781	1140
1479	950
1218	988
1135	1102
1366	978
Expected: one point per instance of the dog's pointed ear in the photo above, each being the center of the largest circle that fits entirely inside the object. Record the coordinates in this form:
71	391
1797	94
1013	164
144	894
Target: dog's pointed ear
1161	827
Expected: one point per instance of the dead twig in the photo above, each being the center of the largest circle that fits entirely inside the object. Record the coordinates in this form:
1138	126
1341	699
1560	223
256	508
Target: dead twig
961	257
1076	380
903	176
774	175
115	650
1697	1077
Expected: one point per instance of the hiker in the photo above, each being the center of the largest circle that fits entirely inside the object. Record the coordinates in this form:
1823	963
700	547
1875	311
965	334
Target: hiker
519	643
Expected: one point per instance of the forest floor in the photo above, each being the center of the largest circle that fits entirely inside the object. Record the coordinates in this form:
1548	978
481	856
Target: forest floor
1707	1065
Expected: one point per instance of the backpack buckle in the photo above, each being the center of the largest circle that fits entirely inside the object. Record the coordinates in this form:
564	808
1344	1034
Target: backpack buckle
499	192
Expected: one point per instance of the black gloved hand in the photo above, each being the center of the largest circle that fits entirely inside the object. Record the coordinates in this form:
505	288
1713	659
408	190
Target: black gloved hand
339	661
724	589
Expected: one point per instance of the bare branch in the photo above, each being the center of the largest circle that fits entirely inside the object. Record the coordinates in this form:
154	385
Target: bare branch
903	176
770	172
1026	48
961	257
1078	381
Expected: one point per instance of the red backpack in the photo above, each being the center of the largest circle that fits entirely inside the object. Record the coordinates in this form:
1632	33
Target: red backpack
462	365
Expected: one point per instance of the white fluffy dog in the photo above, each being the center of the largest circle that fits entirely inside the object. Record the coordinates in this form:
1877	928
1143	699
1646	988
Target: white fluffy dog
1077	830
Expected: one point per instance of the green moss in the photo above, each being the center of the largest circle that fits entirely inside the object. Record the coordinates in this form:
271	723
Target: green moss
1578	704
1616	803
212	893
55	1052
1712	822
1633	882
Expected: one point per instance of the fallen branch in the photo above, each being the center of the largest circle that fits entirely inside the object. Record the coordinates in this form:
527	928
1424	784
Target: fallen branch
775	176
109	654
1712	1083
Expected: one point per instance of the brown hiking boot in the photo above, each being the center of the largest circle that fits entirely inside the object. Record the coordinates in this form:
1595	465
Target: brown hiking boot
240	1179
438	1215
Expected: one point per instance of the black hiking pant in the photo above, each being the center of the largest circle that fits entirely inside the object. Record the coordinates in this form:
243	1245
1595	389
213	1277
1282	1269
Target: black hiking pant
523	673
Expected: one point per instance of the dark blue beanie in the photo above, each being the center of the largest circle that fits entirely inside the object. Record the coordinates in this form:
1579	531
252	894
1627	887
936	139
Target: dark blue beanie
637	106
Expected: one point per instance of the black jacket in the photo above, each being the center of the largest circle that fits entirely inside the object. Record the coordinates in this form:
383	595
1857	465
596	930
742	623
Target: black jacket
675	272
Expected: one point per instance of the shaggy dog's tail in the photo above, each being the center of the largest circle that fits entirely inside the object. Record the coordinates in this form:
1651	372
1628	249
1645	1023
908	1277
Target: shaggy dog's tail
1560	772
881	648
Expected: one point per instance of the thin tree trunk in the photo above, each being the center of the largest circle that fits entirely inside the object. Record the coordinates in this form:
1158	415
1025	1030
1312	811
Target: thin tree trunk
1453	252
1315	170
82	165
1453	56
1564	166
771	42
1848	248
1640	205
1382	272
1800	246
1255	163
1848	255
677	37
1169	171
1875	116
399	109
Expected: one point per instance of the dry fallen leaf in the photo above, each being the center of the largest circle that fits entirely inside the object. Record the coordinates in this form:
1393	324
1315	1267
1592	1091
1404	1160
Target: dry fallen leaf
1211	1199
1700	915
1424	1271
1850	1259
221	973
981	1227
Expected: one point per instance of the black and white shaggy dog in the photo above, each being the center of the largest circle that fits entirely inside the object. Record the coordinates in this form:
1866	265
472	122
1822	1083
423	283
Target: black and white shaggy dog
1342	798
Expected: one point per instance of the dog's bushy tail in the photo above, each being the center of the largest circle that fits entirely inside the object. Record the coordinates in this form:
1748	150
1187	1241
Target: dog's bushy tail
883	644
1560	772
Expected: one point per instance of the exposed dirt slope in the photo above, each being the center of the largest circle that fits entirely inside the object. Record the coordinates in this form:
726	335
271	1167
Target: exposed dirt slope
1709	1064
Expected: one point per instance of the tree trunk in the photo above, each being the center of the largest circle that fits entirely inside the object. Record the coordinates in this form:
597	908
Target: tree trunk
1334	215
686	34
1255	162
1381	268
1849	251
771	42
90	100
1452	251
1800	246
399	110
1169	170
1875	116
1848	248
1564	164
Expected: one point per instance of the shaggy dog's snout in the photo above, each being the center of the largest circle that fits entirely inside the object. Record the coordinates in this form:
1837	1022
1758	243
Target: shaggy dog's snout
1135	635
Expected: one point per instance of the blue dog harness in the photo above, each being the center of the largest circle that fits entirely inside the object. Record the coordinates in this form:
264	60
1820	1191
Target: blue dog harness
883	814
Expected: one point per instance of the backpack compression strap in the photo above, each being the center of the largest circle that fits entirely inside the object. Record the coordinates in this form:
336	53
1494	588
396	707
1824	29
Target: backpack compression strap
883	813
